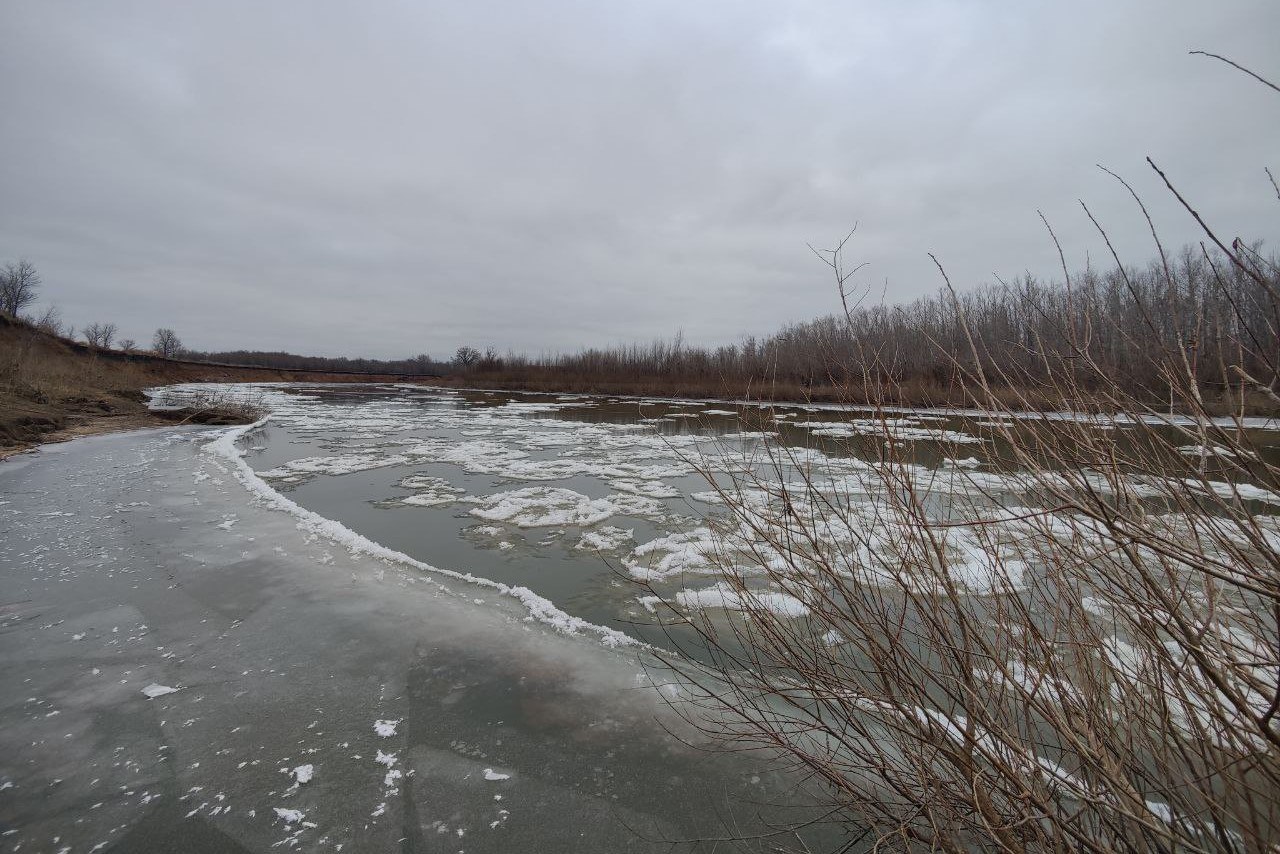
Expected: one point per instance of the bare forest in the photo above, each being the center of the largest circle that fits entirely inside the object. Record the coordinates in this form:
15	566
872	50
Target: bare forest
1213	308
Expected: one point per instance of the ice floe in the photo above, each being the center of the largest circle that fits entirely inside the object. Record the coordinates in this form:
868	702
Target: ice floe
722	595
554	473
546	506
428	491
605	539
296	471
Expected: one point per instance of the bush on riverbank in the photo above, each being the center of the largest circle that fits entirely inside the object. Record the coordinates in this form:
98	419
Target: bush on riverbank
1072	644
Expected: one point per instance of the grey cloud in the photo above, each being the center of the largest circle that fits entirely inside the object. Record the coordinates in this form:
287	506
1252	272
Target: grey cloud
390	177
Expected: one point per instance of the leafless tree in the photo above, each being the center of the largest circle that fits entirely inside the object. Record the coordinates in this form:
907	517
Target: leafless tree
466	357
166	343
100	334
128	345
19	283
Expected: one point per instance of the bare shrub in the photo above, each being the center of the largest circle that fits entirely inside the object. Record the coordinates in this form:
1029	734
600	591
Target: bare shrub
1072	645
204	406
1065	636
100	334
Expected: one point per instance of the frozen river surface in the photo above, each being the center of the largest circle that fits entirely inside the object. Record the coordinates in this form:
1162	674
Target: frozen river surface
407	619
184	666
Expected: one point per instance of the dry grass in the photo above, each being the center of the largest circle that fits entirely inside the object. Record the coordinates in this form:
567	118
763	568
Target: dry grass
48	383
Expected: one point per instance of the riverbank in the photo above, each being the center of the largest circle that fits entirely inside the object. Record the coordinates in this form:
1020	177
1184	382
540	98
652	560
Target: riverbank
52	389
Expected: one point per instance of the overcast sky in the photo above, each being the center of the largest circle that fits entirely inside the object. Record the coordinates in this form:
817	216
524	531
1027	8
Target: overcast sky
390	177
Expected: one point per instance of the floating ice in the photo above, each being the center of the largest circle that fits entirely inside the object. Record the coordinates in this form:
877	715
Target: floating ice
303	773
974	567
690	551
853	530
297	471
648	488
539	608
541	506
896	429
490	774
721	595
605	539
386	729
428	491
1212	451
289	816
157	690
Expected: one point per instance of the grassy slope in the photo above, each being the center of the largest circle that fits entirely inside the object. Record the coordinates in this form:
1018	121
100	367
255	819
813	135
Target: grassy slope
49	384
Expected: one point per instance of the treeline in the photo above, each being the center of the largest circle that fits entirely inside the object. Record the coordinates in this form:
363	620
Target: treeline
421	364
20	285
1219	312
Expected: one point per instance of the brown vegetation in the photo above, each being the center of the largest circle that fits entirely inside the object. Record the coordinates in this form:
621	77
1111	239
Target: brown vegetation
1213	306
1070	644
1103	676
421	365
49	383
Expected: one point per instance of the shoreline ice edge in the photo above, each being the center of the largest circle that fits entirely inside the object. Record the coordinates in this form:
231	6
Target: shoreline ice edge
539	609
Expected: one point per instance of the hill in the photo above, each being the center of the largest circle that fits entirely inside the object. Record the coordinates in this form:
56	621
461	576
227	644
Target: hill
53	388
